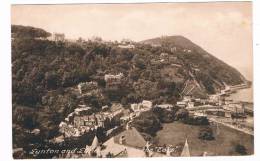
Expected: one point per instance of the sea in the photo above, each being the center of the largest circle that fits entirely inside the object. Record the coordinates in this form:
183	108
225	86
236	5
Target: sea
245	95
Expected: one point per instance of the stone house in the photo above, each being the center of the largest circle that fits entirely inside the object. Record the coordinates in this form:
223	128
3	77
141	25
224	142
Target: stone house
87	86
113	80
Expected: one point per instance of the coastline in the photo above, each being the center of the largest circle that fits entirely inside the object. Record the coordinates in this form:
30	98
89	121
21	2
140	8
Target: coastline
243	95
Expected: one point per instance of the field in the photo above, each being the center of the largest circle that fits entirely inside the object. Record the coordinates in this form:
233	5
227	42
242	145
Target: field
176	133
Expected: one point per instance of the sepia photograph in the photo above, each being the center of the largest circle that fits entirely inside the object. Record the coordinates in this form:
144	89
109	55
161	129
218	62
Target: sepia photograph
132	80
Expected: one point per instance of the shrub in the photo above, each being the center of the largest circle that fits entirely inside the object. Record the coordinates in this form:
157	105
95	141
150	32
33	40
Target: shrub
241	149
196	120
206	134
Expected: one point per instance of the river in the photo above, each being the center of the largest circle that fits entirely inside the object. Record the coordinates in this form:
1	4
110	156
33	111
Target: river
245	95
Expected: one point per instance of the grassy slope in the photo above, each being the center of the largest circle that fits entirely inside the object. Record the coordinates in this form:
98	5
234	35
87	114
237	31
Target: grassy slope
175	133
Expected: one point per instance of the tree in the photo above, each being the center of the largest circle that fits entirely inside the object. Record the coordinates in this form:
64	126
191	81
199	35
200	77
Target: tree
146	89
164	116
241	149
25	117
139	62
181	114
206	134
52	80
201	120
148	123
101	134
28	32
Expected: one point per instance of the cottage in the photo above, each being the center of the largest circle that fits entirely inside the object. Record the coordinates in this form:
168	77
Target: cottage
113	80
199	114
234	107
164	56
187	98
129	46
116	109
78	121
100	120
165	106
176	65
135	107
111	77
173	49
105	108
181	104
144	106
228	114
147	104
214	97
190	105
84	110
187	50
87	86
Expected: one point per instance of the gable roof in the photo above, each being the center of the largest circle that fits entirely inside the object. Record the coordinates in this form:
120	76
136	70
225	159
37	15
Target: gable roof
116	107
119	150
132	148
132	138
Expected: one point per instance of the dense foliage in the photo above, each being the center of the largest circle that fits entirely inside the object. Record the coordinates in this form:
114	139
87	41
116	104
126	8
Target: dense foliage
240	149
206	133
147	123
28	32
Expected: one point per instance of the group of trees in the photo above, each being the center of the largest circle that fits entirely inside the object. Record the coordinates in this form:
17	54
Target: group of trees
201	120
28	32
206	133
147	123
151	121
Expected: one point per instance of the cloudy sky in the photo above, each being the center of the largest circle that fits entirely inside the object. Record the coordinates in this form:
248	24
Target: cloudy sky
223	28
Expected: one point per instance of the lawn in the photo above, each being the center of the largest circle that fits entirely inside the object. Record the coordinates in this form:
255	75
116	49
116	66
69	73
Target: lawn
176	133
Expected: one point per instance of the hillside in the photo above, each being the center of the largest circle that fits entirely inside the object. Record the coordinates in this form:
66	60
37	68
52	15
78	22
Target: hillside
45	75
208	70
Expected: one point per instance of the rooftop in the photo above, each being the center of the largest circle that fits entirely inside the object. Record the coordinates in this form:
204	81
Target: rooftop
133	138
117	149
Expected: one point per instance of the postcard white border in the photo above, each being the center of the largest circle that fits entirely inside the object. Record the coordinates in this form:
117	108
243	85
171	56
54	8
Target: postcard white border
5	78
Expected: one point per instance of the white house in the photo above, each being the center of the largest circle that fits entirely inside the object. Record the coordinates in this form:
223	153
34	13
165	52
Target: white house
234	107
190	105
82	110
182	104
87	86
186	98
129	46
165	106
147	104
112	80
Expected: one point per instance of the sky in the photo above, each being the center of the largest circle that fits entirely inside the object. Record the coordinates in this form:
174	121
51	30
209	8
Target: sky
224	29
